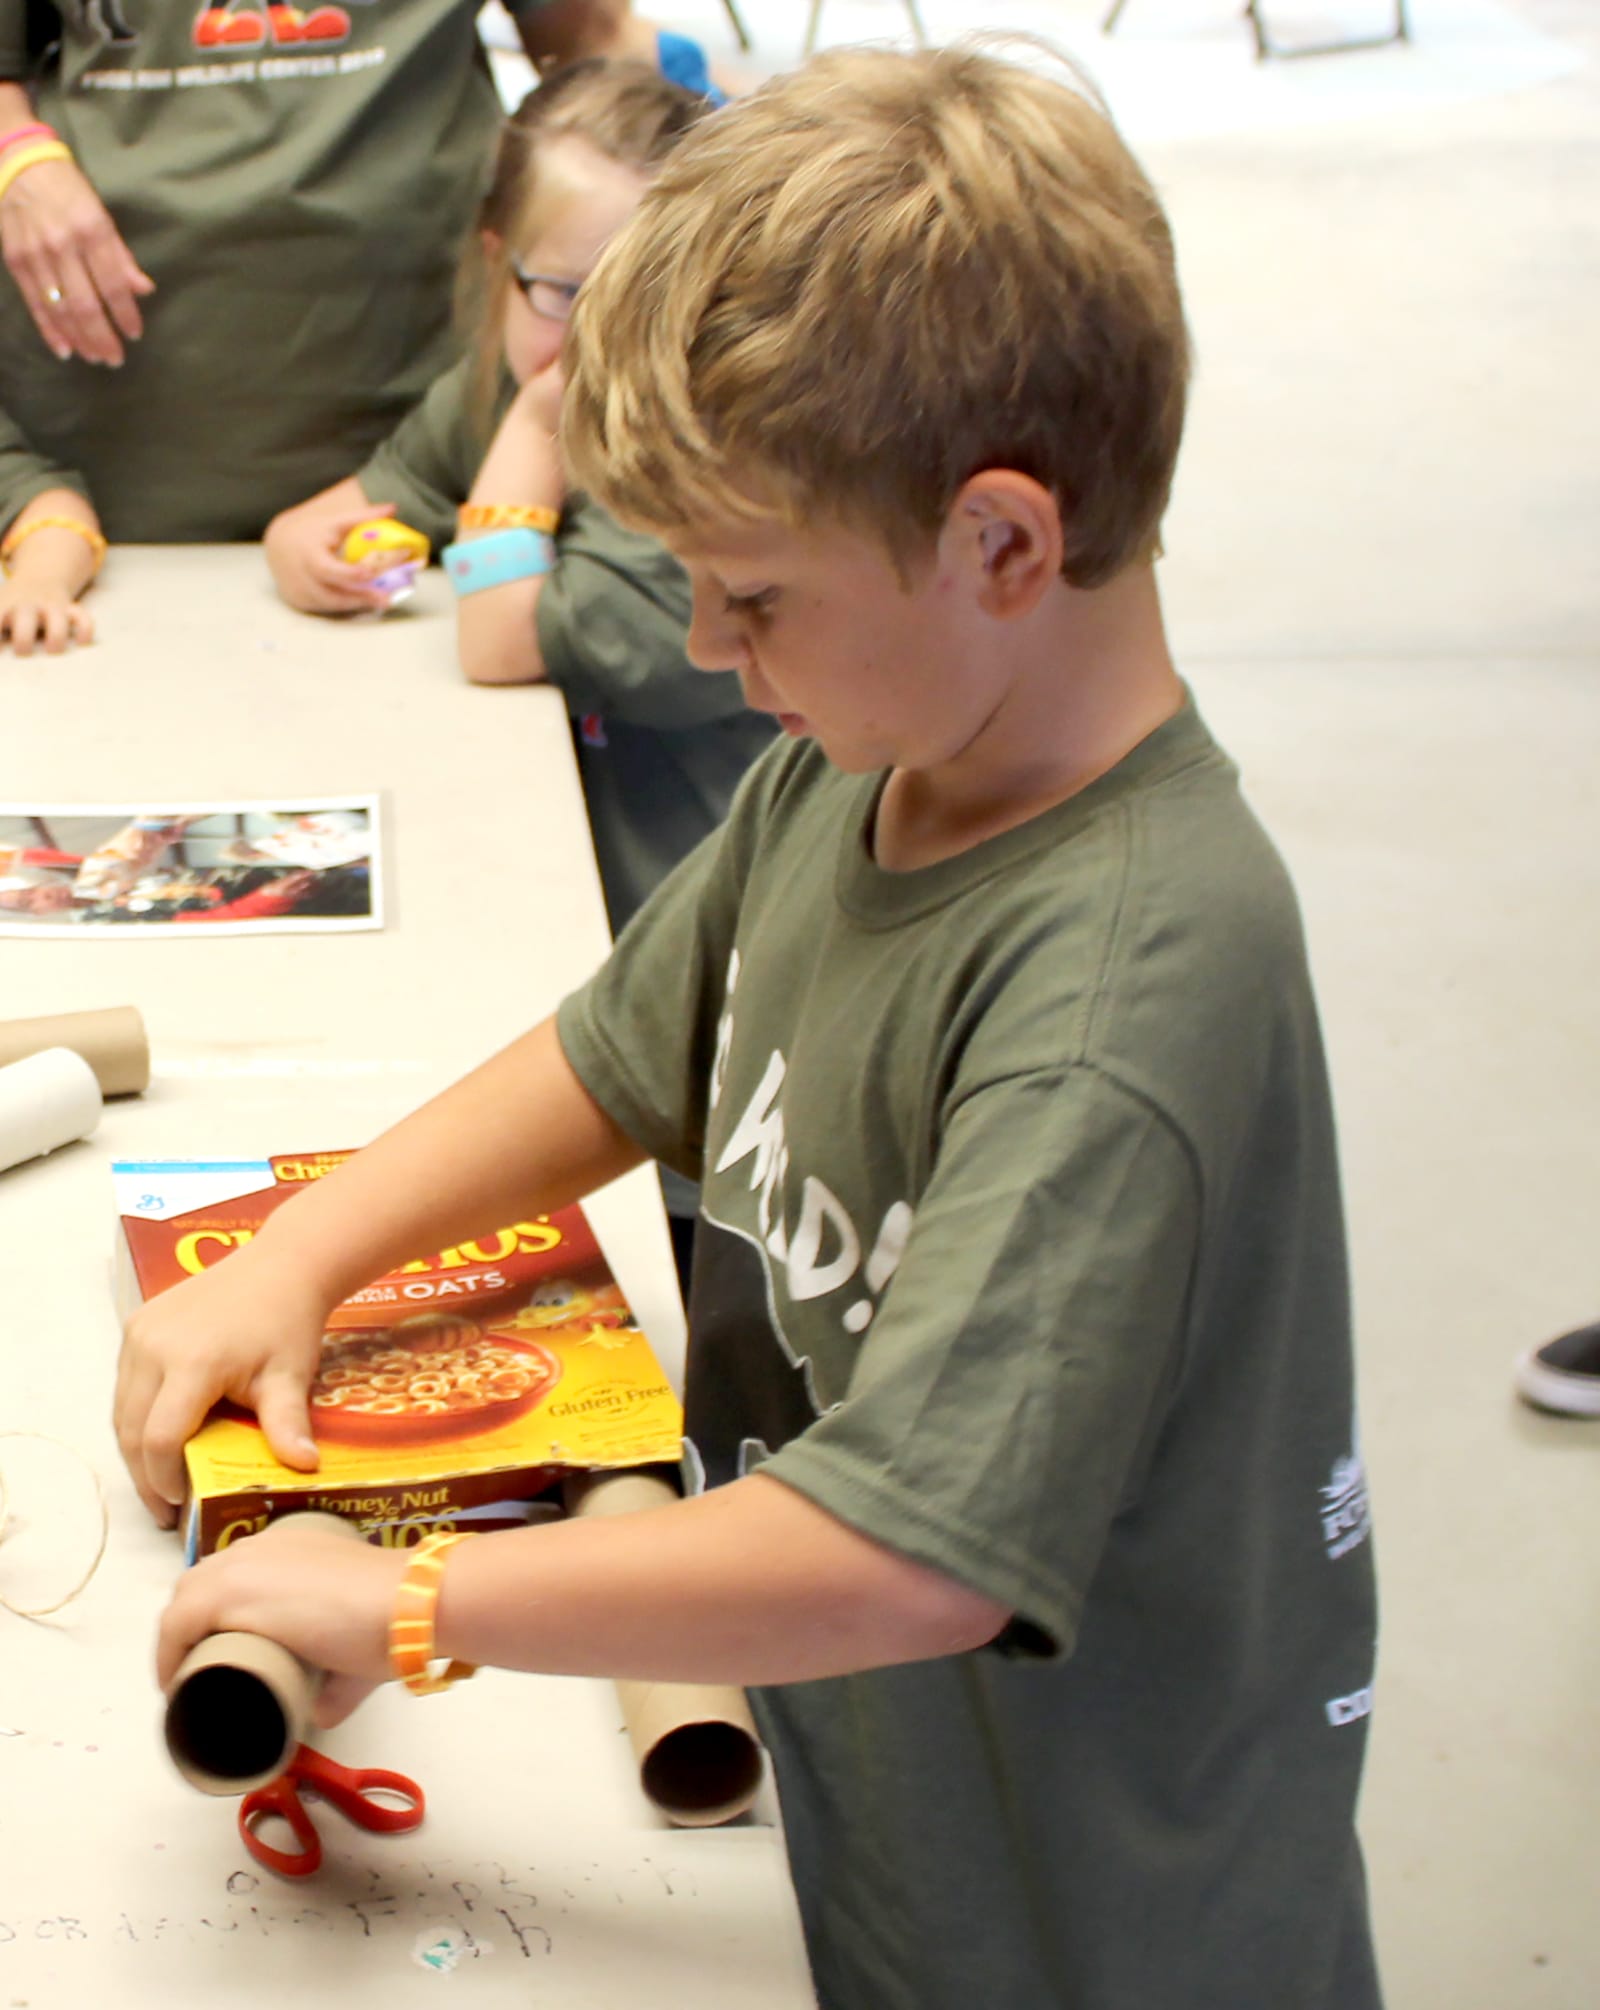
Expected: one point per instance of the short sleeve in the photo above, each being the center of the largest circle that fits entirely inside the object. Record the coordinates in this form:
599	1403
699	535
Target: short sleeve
427	465
24	473
642	1033
1004	1403
613	621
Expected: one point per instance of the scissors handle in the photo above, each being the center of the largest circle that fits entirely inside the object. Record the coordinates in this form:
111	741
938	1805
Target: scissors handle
280	1797
352	1790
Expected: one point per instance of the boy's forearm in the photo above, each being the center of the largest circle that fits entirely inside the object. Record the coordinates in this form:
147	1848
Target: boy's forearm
750	1584
518	1136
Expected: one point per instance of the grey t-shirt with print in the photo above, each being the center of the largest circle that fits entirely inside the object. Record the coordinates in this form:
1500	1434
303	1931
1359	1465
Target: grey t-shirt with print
1022	1252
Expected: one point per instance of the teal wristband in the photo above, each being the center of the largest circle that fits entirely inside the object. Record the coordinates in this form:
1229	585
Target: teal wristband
474	564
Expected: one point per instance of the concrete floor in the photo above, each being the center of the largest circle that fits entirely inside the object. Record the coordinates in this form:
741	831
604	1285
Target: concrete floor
1384	583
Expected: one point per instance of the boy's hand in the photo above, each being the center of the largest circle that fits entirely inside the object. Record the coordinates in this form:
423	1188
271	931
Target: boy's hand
38	609
248	1329
314	1591
303	551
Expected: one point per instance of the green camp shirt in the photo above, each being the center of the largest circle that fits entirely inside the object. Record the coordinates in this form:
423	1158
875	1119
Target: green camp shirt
1021	1251
301	200
661	745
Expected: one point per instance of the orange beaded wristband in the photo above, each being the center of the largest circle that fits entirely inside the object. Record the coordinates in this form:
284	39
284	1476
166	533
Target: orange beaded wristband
508	516
18	532
411	1625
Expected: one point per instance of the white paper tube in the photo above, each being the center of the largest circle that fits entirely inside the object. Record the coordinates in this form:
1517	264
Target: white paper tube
48	1100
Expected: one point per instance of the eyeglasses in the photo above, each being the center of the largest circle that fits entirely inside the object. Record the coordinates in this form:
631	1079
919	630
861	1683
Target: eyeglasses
551	298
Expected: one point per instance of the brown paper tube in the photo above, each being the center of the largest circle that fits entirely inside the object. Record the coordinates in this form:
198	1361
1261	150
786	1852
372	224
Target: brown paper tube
696	1743
112	1042
240	1706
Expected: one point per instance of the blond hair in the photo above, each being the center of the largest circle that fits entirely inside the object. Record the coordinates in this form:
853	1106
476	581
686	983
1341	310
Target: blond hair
626	111
854	290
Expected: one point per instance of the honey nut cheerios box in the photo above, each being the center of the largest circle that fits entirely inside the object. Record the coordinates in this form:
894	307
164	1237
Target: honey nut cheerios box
453	1392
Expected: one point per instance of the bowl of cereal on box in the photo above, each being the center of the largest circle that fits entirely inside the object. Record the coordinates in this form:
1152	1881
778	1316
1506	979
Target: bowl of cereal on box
426	1379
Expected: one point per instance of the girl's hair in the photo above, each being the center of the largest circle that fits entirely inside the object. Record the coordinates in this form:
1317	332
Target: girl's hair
626	111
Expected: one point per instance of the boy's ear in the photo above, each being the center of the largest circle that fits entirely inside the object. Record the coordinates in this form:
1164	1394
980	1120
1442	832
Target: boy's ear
492	242
1006	530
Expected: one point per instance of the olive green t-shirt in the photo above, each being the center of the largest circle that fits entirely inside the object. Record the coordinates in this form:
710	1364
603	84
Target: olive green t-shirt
1021	1251
300	193
661	745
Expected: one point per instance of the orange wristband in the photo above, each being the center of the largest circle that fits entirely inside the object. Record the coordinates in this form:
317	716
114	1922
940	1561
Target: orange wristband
508	516
411	1625
18	532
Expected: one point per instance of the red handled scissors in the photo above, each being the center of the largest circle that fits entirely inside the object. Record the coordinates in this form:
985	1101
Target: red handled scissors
350	1789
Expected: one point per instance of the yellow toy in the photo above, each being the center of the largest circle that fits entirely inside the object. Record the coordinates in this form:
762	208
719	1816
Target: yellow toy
386	537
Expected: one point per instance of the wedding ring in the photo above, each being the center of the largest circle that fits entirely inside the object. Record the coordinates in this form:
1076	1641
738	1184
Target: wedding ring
54	295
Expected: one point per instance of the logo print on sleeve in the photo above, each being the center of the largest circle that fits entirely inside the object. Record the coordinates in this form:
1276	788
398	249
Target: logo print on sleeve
1346	1511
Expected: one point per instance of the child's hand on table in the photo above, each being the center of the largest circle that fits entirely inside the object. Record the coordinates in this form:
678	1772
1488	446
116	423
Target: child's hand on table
39	604
303	547
311	1589
249	1329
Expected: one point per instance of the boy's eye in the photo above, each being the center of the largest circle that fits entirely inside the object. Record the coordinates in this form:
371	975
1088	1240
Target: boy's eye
752	605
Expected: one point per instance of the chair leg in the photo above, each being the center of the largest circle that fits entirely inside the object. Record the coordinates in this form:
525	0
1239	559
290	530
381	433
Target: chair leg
814	23
739	29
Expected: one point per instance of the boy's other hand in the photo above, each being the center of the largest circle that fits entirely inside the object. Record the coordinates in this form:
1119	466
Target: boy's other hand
38	611
311	1589
81	283
246	1329
303	547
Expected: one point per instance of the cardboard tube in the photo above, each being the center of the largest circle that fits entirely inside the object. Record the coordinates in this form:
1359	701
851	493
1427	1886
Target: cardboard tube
240	1705
50	1099
112	1042
696	1743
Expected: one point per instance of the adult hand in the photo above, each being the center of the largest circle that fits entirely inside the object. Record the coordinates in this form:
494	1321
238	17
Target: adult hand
42	613
81	283
248	1328
314	1591
304	548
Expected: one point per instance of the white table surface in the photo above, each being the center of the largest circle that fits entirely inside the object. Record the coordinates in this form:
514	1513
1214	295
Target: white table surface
541	1873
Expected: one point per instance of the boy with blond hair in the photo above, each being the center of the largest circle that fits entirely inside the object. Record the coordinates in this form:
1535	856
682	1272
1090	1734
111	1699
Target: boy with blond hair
1019	1379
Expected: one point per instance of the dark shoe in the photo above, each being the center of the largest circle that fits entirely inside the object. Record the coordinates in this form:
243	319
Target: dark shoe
1564	1374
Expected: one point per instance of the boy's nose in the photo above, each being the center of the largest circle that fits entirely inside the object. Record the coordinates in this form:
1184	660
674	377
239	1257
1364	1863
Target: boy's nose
714	641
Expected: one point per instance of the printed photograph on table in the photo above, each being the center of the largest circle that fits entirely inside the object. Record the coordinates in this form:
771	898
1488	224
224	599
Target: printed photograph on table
234	868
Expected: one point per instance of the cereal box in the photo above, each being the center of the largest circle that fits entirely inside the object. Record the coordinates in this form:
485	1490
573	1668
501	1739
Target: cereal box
452	1392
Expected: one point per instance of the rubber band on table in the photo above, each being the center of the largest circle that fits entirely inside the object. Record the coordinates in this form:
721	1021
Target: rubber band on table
44	1611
